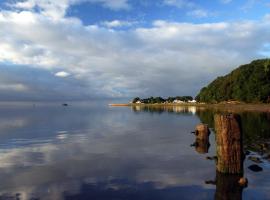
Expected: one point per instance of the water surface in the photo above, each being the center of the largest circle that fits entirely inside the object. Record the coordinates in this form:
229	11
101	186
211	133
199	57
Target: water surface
87	151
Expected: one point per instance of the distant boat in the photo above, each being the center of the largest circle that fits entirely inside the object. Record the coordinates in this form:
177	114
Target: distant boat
64	104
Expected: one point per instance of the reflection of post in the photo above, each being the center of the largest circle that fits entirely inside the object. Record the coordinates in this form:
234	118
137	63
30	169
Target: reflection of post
229	175
201	146
229	143
227	187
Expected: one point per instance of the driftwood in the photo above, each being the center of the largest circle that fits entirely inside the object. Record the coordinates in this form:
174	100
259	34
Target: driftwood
229	143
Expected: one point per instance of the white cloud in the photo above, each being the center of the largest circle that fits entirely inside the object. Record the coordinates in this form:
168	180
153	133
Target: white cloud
118	23
131	62
114	4
193	9
57	9
62	74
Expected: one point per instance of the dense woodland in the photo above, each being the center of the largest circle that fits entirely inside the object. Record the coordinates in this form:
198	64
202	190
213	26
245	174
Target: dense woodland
153	100
248	83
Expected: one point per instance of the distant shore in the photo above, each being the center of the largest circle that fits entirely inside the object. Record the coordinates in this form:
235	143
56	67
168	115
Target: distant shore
222	107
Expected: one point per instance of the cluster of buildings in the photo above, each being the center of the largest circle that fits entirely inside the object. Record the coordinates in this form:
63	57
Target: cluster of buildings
175	101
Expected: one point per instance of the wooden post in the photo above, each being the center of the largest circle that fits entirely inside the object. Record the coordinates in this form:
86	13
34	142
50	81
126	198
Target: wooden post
202	138
229	143
202	132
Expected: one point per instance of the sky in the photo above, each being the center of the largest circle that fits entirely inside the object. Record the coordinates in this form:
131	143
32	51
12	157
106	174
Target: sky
100	49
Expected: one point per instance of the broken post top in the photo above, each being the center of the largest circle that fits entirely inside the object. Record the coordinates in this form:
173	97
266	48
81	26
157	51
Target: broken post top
202	132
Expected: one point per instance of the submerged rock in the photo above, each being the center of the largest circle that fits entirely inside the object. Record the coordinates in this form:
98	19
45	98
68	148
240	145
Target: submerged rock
211	157
243	182
247	152
267	157
255	168
255	159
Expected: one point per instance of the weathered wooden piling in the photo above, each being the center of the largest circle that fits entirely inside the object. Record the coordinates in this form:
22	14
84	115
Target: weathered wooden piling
229	143
202	138
202	132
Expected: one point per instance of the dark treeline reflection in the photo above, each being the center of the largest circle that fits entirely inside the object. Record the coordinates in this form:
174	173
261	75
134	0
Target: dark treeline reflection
255	125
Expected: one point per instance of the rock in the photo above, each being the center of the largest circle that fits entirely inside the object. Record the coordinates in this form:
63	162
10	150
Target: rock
211	158
264	146
267	157
210	182
64	104
247	152
255	168
243	182
255	159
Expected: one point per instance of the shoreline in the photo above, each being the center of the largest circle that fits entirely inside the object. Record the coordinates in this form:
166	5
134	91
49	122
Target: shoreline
223	107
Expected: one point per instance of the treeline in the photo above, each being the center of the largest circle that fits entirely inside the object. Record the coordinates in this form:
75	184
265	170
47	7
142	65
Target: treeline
153	100
249	83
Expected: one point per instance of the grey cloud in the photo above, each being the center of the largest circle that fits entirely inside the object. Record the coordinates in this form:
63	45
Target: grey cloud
165	59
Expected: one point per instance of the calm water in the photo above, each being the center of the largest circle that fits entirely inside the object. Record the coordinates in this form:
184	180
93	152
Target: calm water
120	153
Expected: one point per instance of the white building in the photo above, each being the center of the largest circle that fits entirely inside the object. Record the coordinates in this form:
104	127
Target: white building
193	101
178	101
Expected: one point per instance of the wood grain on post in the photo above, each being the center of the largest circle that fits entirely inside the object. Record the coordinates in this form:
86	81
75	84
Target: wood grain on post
202	138
229	143
202	132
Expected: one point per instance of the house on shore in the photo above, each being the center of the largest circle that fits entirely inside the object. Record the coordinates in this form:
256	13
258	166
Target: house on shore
192	101
178	101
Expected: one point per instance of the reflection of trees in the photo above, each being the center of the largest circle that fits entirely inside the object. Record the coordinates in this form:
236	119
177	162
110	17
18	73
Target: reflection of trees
255	125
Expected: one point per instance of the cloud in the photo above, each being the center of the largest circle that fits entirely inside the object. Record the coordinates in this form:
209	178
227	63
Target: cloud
193	9
62	74
166	58
57	9
118	23
114	4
